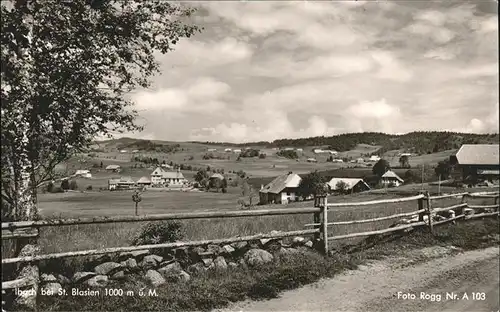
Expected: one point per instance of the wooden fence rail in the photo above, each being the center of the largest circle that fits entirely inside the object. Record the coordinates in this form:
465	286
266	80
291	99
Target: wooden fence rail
96	252
159	217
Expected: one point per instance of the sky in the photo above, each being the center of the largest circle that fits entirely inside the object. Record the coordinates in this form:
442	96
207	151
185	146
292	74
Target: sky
270	70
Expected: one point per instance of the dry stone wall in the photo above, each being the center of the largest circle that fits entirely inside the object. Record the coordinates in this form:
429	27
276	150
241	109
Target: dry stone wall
177	265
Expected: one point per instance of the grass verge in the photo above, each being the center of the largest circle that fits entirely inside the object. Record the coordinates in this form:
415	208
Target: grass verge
218	289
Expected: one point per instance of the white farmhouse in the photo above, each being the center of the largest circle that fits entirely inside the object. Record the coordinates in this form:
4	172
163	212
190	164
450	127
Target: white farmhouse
83	173
391	179
281	190
170	178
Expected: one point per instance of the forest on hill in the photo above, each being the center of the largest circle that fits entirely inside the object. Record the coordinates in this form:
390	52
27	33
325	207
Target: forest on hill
422	142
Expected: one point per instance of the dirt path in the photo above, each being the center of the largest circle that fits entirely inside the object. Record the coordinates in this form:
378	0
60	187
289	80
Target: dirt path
375	287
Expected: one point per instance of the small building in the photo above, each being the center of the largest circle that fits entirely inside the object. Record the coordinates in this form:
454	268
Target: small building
123	183
83	174
228	150
352	185
211	150
167	166
311	160
360	160
237	151
374	158
404	154
144	181
391	179
299	150
281	190
337	160
135	151
476	162
289	148
332	152
318	151
123	151
113	168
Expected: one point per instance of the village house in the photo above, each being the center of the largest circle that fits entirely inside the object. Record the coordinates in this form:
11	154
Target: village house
160	177
123	183
476	162
113	168
318	151
237	151
227	150
217	176
391	179
312	160
360	160
83	174
144	182
374	158
352	185
281	190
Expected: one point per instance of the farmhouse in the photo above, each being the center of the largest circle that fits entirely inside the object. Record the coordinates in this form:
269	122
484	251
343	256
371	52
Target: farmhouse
170	178
352	185
374	158
391	179
227	150
113	168
313	160
476	162
144	181
281	190
83	173
122	183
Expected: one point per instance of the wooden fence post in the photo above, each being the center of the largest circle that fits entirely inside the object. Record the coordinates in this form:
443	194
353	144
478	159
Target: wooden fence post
429	211
420	202
316	218
325	225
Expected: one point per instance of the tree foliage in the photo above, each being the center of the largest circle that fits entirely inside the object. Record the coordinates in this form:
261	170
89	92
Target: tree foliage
404	161
443	169
341	187
66	67
381	167
312	184
291	154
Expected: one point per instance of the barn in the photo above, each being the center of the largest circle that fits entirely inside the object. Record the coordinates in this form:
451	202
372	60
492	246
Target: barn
476	162
352	185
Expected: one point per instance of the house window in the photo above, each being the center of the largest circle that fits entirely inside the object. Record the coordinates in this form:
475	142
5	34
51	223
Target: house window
287	193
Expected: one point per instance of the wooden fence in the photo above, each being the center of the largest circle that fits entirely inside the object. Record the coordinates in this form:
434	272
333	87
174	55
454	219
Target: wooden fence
31	229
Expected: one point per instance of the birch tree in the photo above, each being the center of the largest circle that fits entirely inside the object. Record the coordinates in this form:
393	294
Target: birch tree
66	67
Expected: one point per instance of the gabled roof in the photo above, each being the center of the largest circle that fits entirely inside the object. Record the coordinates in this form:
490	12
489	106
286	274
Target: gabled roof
144	180
158	171
113	181
217	176
351	182
478	154
127	180
277	185
391	175
112	167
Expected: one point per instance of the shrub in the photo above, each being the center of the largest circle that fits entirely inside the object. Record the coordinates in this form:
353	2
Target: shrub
158	233
65	185
262	156
50	187
224	190
288	154
73	185
89	188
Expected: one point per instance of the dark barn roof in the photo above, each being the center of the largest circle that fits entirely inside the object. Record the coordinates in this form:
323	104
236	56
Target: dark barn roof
478	154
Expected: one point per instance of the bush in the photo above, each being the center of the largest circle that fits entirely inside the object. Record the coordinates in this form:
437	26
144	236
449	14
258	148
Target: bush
288	154
73	185
50	187
262	156
224	190
65	185
89	188
158	233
